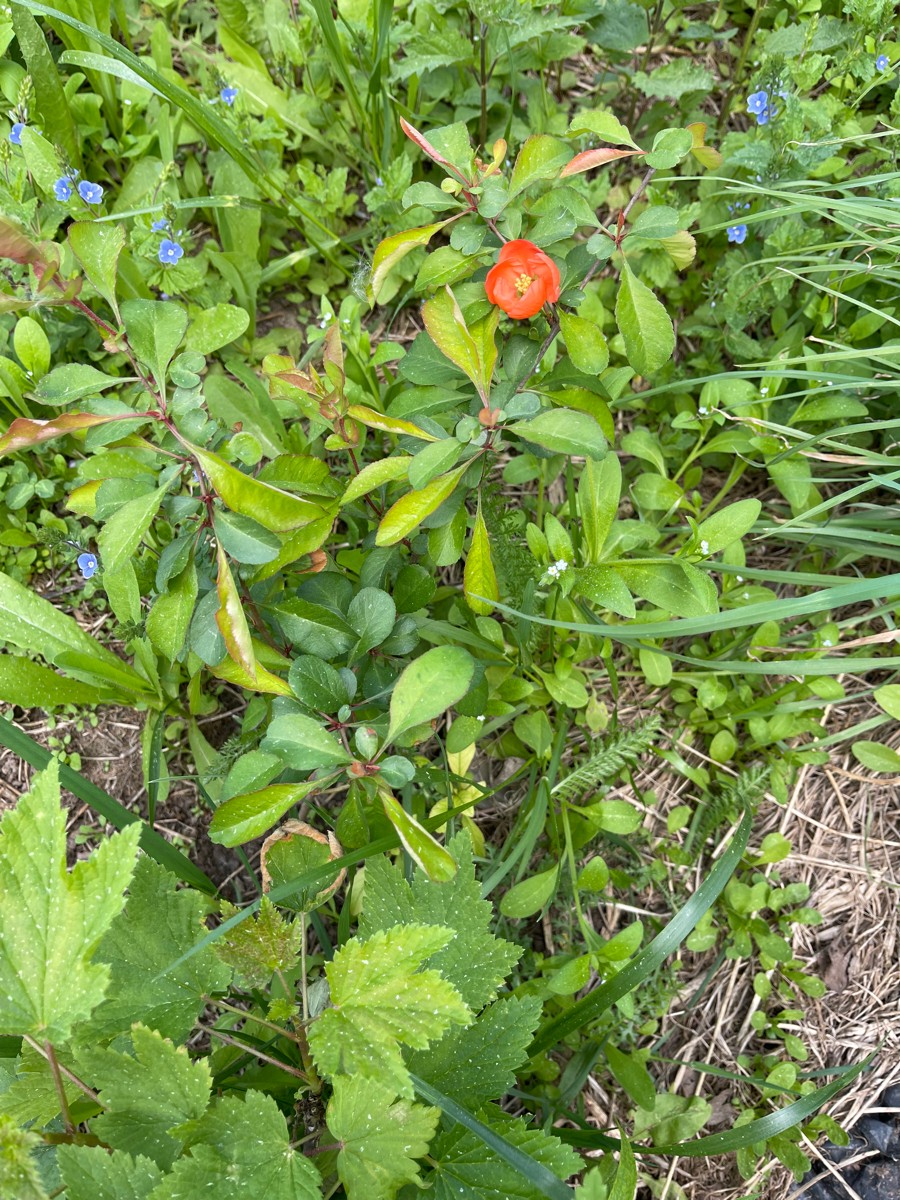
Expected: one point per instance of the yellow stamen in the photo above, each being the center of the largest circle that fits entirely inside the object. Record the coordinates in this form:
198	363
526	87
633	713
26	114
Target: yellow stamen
523	283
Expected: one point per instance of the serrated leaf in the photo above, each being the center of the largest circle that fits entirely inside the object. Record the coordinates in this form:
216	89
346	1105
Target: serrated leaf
467	1169
53	921
93	1173
32	1096
19	1176
403	516
381	1000
427	687
241	1148
146	1095
257	948
380	1137
479	1063
158	925
644	324
475	961
479	576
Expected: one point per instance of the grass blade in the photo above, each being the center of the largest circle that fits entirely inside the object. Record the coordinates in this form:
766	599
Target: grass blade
642	966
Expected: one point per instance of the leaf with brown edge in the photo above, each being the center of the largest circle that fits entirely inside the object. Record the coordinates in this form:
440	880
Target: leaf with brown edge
17	245
231	620
598	157
26	431
423	143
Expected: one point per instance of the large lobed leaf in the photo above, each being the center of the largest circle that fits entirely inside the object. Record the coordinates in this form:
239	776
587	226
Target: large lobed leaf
53	921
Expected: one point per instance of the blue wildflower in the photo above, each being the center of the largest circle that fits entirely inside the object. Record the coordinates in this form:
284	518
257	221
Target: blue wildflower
62	189
736	234
882	62
228	95
91	193
87	564
169	251
757	102
15	134
160	225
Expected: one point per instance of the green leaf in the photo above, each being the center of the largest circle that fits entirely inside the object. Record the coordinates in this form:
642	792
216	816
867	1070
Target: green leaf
632	1076
269	506
657	221
242	818
585	342
32	346
93	1173
625	1183
31	685
52	920
729	525
677	588
389	252
403	516
374	475
479	576
541	157
169	618
479	1063
97	246
604	125
425	851
380	1137
602	998
564	432
145	1096
371	615
241	1148
150	841
518	1160
19	1175
160	924
380	1000
258	948
386	424
318	685
447	326
123	532
599	492
670	147
888	699
215	327
428	686
433	460
877	757
74	381
303	744
674	80
155	330
231	618
475	961
245	540
644	324
52	102
530	895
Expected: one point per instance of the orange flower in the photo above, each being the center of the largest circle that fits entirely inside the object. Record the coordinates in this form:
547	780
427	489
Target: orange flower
522	280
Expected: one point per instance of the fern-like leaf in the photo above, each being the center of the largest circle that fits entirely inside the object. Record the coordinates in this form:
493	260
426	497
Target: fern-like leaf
609	756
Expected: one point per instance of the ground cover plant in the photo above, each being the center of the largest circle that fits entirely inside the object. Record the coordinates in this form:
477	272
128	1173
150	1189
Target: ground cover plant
414	386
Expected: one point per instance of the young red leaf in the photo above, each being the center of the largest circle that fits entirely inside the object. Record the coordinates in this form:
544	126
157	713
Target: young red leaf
588	159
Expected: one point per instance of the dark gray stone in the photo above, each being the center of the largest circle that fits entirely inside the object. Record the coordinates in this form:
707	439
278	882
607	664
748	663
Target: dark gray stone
877	1133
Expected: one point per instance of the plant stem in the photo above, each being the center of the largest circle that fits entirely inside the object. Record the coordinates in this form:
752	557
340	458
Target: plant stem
275	1062
50	1055
70	1075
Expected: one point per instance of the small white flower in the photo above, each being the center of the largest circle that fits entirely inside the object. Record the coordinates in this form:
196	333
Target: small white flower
764	391
561	565
829	383
704	547
739	578
827	642
712	304
746	595
126	101
480	717
702	410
